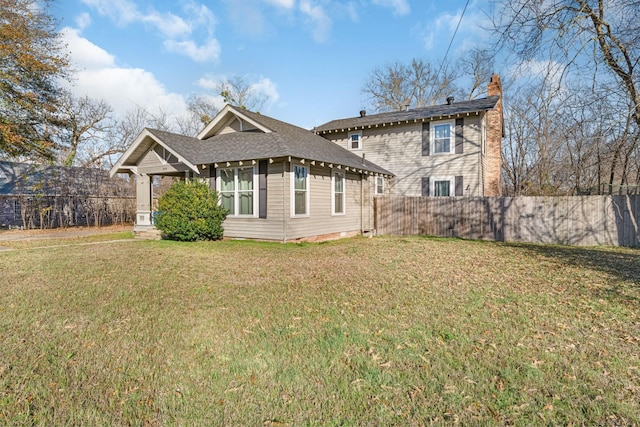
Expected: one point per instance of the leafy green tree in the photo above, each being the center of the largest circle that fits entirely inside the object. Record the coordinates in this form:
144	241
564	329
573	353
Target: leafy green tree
32	60
189	211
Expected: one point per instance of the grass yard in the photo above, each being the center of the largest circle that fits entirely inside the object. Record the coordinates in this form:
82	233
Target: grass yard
383	331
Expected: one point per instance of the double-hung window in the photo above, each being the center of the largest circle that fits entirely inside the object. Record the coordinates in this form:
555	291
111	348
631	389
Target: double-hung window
355	140
442	137
300	190
338	201
237	192
379	187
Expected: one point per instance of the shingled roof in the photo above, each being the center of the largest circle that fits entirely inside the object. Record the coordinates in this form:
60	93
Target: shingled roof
274	139
408	116
21	179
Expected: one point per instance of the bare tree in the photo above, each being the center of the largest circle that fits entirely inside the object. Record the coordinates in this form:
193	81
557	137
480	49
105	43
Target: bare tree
398	86
122	133
580	34
238	92
201	110
79	121
478	65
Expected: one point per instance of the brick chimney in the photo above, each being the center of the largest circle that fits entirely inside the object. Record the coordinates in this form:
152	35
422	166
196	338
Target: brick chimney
495	132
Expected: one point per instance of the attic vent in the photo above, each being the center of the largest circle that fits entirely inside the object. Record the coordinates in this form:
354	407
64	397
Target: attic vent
450	100
363	113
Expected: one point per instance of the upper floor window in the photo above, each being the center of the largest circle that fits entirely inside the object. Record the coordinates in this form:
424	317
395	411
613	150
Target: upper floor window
237	193
355	140
442	137
338	193
300	190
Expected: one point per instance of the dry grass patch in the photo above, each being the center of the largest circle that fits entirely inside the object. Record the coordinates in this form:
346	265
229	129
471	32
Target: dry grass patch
377	331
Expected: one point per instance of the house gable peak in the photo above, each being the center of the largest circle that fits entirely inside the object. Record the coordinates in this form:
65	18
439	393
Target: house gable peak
223	122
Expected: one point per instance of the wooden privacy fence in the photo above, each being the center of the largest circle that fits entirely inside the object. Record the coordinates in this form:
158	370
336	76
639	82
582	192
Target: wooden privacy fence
37	211
571	220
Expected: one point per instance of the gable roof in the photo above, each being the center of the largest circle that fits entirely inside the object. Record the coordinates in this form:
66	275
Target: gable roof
272	138
407	116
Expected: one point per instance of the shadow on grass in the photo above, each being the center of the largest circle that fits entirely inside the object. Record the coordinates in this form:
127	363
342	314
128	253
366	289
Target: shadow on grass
621	264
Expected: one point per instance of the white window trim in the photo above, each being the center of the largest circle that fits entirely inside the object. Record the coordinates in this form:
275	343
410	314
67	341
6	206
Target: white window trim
432	137
378	187
292	194
452	185
236	199
359	141
333	192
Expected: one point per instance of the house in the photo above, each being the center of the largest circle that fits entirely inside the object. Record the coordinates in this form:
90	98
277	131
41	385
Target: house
442	150
45	196
277	181
284	183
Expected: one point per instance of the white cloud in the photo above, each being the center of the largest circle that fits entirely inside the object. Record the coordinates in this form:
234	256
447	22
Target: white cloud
167	23
548	72
98	77
287	4
440	30
210	51
177	31
84	54
319	20
400	7
267	88
83	21
122	12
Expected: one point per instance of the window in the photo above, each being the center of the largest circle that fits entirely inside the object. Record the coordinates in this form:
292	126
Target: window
237	191
442	137
379	187
355	140
338	193
441	188
300	190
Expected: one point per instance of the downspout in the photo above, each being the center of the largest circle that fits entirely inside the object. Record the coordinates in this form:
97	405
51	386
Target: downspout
483	145
284	197
362	204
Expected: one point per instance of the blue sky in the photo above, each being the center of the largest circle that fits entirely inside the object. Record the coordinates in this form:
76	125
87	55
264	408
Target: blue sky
310	58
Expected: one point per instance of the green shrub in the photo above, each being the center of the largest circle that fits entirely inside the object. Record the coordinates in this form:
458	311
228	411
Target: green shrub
189	211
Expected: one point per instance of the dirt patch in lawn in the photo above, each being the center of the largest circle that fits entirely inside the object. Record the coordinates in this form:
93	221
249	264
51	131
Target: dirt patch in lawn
53	233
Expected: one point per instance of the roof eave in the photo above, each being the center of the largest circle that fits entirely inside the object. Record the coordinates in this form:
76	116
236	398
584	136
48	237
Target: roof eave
120	166
390	123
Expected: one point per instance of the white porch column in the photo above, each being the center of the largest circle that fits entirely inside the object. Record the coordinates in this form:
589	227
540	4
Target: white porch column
143	201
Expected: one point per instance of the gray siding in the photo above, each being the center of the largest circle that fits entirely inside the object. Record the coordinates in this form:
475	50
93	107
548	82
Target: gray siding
398	149
236	125
321	221
271	227
282	226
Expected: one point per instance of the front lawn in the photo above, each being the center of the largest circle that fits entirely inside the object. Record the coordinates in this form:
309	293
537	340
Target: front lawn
382	331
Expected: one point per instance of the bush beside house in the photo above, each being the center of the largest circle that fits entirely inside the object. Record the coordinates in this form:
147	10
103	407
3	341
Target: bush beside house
189	211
